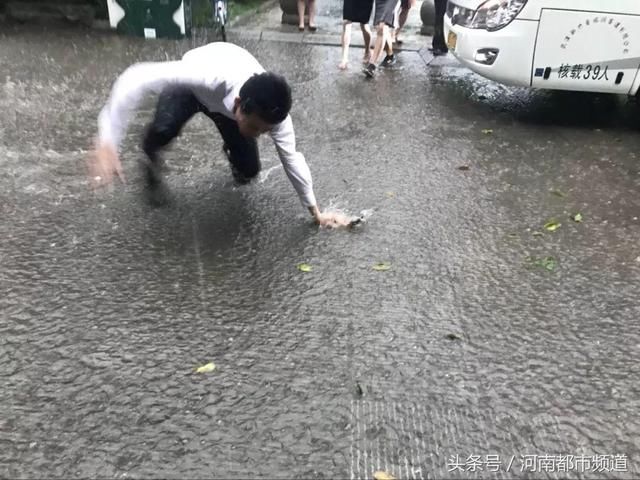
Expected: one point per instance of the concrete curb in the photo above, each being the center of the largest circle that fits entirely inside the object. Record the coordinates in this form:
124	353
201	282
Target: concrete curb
328	40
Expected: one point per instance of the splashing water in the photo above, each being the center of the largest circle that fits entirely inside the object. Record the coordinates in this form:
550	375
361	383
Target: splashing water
265	173
343	217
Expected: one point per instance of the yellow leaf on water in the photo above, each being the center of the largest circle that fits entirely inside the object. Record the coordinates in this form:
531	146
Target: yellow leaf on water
382	267
209	367
552	226
305	267
380	475
487	131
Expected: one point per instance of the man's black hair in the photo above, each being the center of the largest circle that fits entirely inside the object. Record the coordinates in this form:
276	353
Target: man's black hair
268	95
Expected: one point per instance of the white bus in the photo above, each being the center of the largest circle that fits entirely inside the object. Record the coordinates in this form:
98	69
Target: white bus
584	45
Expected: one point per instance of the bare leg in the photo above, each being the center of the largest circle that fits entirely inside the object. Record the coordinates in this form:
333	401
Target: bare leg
381	33
301	14
388	45
402	17
346	39
312	15
366	35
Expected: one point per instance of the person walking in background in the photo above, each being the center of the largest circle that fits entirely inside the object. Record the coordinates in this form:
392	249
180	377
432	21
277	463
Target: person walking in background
405	7
439	45
383	20
312	15
358	11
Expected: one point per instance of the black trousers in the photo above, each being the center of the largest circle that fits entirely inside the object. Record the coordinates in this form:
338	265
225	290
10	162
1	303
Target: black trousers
176	106
439	42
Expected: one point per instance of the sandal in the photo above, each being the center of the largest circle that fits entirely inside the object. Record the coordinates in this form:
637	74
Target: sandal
313	28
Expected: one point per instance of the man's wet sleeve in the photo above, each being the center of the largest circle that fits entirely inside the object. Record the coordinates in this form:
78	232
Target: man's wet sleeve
295	166
131	87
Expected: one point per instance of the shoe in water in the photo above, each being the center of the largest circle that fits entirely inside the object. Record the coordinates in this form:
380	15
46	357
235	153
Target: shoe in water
151	172
239	177
439	51
389	60
369	70
157	195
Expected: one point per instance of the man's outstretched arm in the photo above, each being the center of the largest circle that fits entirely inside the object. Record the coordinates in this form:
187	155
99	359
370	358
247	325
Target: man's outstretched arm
297	169
127	93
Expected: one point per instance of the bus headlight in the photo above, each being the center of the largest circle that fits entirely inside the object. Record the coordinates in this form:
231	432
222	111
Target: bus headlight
496	14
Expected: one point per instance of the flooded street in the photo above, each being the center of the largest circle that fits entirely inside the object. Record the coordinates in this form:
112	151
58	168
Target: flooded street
484	334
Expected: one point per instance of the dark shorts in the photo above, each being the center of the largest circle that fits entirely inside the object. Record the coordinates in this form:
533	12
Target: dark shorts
385	12
358	11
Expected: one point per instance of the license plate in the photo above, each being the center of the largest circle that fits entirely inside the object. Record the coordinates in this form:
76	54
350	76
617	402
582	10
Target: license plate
452	40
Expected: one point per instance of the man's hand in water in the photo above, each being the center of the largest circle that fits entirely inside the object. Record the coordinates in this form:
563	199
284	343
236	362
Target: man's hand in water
329	219
103	164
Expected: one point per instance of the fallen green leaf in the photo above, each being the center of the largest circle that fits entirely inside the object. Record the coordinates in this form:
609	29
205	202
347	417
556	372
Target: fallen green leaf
558	193
209	367
577	218
305	267
552	226
382	267
548	263
537	234
487	131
